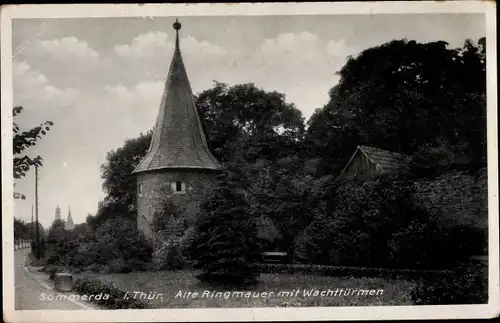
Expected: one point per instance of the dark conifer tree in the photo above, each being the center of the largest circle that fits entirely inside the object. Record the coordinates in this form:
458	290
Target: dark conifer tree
225	243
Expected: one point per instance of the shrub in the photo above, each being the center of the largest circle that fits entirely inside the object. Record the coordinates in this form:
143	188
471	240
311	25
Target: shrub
168	212
185	242
432	159
357	225
468	285
426	243
116	265
134	264
116	244
376	224
86	253
169	256
174	252
117	299
120	238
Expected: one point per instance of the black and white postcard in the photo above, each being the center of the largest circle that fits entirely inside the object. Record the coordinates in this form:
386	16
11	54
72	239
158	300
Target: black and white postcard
279	161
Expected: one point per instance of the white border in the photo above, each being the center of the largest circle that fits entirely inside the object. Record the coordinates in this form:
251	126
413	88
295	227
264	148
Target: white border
247	314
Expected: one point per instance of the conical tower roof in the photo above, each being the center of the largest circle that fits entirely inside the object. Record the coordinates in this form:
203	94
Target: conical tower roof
178	140
69	221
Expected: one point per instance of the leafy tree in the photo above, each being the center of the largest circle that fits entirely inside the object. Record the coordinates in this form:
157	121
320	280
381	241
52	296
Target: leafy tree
60	243
57	230
402	95
119	183
22	230
286	196
245	123
82	229
22	140
225	241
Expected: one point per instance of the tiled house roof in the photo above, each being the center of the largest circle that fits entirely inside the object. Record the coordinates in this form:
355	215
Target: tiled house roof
387	161
382	161
179	140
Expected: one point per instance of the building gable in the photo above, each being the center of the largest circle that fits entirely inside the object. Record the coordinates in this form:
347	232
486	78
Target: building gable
370	161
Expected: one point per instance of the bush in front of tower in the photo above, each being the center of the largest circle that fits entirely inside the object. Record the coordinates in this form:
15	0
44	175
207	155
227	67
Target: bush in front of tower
225	237
170	227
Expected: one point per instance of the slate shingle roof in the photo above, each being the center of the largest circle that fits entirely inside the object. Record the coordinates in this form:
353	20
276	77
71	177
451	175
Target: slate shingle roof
387	161
384	160
178	138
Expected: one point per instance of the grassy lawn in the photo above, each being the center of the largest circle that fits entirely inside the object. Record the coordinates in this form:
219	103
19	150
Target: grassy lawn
169	283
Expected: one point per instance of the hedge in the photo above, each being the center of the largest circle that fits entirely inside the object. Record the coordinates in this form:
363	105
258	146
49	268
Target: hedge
324	270
117	299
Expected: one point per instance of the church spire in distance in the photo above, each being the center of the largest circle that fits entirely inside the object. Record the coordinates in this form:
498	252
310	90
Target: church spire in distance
58	212
69	221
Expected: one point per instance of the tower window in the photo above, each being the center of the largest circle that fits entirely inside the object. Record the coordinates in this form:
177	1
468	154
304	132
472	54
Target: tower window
178	187
140	188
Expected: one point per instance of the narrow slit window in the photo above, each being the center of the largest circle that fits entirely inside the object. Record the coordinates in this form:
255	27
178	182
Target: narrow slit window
140	188
178	186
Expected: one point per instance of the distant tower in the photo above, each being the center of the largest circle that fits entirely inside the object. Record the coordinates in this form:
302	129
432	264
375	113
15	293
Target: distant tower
58	213
69	221
178	165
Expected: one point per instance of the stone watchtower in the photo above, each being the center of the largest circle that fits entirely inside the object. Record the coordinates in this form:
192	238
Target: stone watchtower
178	165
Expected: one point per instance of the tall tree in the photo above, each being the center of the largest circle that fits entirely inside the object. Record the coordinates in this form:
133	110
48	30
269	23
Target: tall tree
22	230
225	240
282	194
22	140
119	183
401	95
245	123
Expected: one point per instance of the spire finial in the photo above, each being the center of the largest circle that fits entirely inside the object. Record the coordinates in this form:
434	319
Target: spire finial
177	25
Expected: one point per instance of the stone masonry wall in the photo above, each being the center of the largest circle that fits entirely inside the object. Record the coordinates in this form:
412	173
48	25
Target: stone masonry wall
156	188
461	197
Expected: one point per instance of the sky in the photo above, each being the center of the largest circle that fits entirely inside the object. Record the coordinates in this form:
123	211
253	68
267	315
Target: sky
100	79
